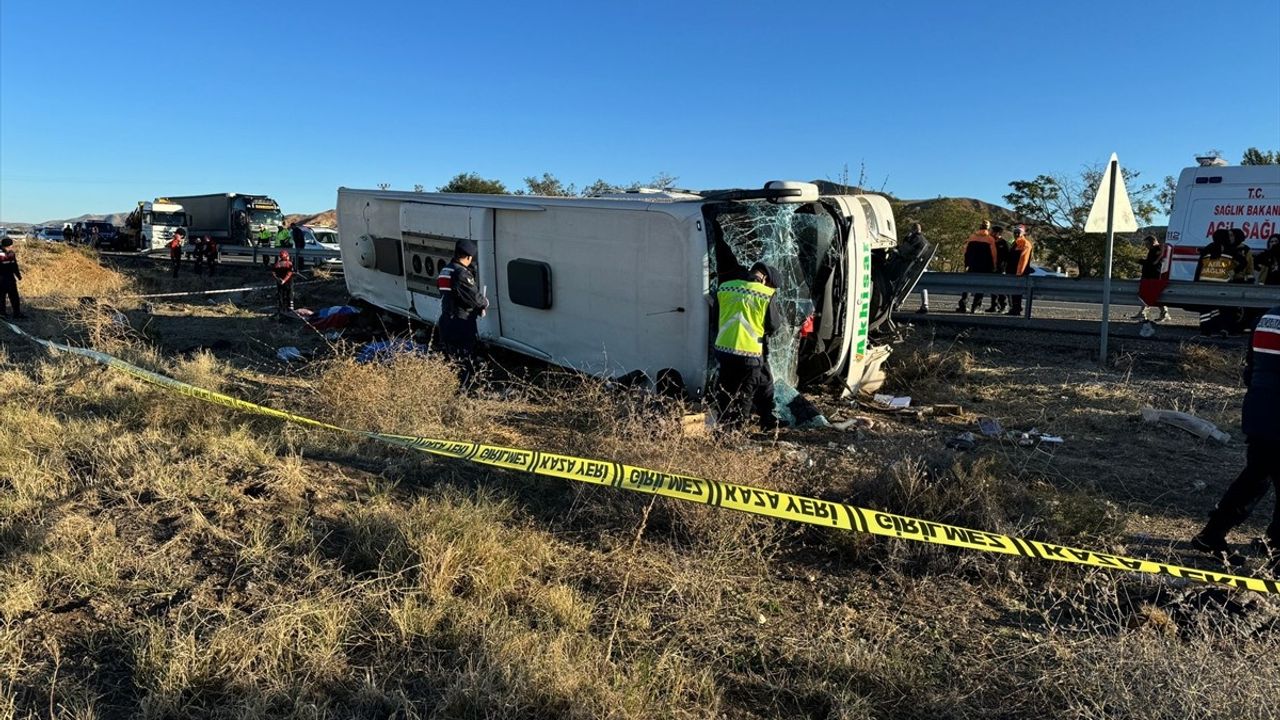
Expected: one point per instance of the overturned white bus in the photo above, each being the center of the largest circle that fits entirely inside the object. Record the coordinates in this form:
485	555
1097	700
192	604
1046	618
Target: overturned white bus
624	283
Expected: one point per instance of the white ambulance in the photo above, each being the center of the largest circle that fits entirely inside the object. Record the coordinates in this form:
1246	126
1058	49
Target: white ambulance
1213	196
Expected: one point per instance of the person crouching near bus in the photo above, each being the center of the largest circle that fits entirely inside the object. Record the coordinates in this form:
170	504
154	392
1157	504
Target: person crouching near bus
175	249
1260	421
461	305
283	272
748	317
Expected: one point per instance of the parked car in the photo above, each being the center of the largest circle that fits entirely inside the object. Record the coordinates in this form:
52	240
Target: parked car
50	235
323	238
326	237
1041	271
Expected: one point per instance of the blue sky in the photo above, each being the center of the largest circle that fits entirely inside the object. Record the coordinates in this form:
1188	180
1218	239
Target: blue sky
296	99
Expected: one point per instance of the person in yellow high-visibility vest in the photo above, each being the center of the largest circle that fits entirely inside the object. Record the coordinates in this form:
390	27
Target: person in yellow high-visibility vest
748	316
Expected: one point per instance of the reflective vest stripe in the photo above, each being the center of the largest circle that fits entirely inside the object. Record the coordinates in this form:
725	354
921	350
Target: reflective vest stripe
1216	269
743	306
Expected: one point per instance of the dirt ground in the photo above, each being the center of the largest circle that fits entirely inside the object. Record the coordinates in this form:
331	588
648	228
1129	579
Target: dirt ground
164	558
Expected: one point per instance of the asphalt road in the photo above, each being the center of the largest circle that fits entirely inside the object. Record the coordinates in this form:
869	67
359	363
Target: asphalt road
1052	319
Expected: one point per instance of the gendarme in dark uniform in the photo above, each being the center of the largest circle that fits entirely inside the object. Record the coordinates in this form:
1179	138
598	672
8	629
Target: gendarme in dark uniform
10	274
1260	420
461	304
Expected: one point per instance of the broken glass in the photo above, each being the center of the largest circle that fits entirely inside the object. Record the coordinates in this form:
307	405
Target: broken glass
794	239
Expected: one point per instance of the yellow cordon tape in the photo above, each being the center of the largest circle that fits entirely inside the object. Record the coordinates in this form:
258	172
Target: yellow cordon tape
770	503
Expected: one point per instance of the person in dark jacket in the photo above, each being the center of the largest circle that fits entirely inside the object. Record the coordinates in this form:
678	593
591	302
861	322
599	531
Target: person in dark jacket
299	236
748	317
175	249
461	305
1000	303
197	254
1260	421
916	239
210	253
1267	262
1151	271
283	272
241	225
980	256
10	274
1216	265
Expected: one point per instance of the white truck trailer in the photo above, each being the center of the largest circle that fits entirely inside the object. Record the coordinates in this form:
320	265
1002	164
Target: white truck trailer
624	283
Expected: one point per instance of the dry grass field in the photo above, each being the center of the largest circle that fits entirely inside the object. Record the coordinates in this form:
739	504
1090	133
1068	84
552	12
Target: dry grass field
166	558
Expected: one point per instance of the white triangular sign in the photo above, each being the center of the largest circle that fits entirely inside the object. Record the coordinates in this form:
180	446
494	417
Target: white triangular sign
1124	221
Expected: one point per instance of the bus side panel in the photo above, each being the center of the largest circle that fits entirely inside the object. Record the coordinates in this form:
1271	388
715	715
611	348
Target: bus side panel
619	284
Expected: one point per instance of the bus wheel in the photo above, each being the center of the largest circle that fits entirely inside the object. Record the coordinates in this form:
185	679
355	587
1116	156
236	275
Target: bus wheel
670	383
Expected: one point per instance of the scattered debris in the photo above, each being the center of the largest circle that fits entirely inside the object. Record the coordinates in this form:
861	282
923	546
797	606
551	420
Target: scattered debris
695	425
963	442
890	402
1032	438
947	410
289	353
989	426
857	421
388	349
1148	329
1200	428
334	317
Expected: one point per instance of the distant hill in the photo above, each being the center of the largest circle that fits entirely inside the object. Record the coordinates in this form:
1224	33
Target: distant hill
328	218
113	218
948	222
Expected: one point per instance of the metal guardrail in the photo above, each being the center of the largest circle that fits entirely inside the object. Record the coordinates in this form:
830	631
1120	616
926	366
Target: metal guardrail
266	254
1089	290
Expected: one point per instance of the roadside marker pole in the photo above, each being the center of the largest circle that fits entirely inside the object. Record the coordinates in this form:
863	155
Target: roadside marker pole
1106	270
1115	213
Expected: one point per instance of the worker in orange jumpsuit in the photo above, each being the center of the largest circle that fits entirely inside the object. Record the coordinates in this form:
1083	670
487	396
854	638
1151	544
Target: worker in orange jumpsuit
980	256
1019	263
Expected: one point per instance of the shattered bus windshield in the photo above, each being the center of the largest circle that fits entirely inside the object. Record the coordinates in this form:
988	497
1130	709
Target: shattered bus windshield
796	240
